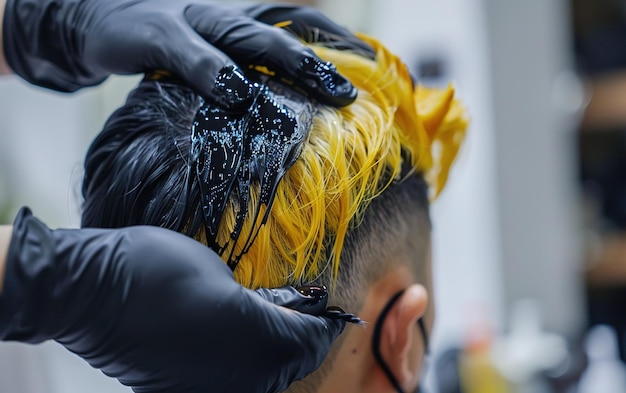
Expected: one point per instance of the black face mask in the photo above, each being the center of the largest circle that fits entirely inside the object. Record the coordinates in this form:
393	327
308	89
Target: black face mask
376	343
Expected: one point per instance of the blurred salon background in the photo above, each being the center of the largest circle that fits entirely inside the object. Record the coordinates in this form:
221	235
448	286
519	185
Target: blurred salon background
529	235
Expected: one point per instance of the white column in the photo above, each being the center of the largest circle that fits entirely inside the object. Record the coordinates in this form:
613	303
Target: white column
534	101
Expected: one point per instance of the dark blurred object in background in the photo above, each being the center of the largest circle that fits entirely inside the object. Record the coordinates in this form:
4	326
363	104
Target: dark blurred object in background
599	30
603	175
599	35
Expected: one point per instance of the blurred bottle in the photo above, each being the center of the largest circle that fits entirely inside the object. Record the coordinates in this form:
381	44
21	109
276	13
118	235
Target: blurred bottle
528	352
605	373
478	374
446	371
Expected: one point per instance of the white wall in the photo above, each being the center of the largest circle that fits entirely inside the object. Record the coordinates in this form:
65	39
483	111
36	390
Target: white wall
465	218
535	101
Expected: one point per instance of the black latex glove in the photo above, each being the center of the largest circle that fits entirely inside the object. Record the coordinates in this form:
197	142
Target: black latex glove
310	25
157	310
67	44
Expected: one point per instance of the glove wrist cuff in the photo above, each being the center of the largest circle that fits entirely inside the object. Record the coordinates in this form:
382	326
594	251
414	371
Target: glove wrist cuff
42	45
30	270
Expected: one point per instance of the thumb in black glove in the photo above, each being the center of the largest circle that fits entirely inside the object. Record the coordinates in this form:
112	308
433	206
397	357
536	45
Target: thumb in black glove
68	44
157	310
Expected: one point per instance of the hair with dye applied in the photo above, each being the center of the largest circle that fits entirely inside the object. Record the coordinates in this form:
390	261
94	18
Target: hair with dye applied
136	169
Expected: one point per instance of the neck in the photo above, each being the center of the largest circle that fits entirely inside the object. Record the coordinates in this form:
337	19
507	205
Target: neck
359	371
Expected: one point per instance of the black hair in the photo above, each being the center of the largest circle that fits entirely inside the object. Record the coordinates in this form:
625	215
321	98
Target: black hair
135	169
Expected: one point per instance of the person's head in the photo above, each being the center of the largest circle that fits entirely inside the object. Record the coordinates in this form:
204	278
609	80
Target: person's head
351	213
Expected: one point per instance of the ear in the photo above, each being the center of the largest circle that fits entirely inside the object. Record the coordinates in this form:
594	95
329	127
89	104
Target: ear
401	344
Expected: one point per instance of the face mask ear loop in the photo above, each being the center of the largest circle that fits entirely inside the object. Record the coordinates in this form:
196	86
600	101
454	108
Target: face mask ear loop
420	323
376	342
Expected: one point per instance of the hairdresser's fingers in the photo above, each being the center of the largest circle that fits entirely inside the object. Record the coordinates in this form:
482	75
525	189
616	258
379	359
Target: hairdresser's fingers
289	344
307	337
203	67
308	300
310	25
297	329
250	42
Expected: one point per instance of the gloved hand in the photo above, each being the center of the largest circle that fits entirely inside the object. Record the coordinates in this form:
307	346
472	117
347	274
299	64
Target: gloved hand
157	310
67	44
310	25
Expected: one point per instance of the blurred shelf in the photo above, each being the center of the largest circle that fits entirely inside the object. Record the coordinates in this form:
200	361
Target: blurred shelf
607	104
607	265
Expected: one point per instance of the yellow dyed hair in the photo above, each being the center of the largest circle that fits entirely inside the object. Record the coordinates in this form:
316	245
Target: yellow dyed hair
352	155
